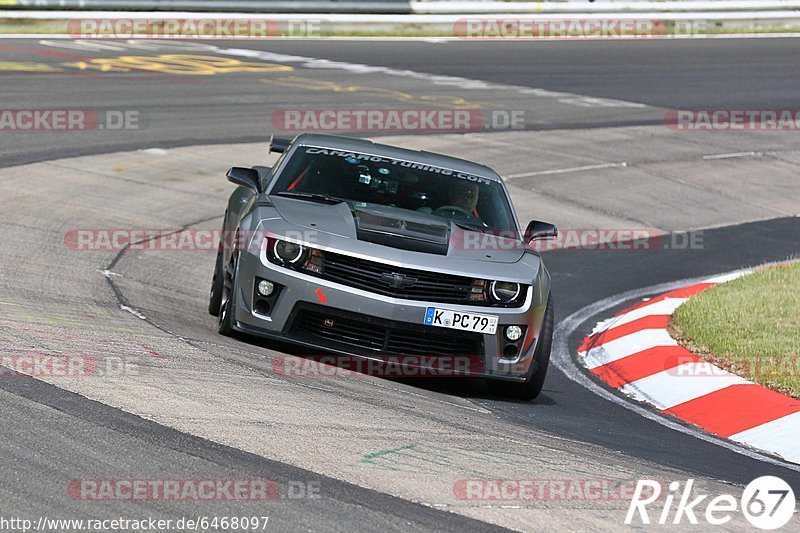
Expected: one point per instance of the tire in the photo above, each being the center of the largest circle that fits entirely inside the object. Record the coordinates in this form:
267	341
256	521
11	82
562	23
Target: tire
532	387
227	297
215	295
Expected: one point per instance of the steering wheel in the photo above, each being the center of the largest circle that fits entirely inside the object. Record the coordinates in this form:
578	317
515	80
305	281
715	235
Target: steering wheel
454	209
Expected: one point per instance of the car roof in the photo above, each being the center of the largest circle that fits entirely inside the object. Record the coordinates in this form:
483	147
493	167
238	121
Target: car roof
353	144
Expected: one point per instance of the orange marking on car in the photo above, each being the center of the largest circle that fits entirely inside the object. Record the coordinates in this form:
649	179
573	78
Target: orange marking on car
321	296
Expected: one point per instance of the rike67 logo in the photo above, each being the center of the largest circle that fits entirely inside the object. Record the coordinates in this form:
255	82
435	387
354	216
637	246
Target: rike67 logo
768	503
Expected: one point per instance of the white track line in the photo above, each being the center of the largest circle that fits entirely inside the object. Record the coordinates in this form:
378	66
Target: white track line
567	170
435	79
733	155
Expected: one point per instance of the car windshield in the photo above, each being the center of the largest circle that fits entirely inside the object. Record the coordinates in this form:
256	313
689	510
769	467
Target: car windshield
329	175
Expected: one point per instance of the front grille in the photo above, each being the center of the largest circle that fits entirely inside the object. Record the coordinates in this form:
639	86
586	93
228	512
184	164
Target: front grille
398	282
367	334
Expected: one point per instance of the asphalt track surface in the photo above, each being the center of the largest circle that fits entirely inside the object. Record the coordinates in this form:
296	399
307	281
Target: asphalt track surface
230	108
735	74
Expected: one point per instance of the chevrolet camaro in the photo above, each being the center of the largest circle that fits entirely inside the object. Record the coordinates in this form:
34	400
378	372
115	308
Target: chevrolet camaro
374	252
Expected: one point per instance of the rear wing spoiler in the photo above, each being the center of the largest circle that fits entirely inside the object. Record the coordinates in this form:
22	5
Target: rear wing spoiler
278	144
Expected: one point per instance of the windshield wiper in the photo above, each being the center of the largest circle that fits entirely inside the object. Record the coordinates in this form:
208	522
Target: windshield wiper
464	225
314	197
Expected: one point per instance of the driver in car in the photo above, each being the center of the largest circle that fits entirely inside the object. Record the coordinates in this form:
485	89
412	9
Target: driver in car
464	196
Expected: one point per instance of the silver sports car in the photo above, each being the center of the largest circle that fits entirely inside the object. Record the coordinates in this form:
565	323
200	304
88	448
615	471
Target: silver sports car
384	254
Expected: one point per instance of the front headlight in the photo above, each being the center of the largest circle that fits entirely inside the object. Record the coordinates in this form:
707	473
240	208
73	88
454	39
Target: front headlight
504	291
294	255
289	253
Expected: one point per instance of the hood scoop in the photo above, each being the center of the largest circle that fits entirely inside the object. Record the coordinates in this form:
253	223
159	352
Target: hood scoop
402	234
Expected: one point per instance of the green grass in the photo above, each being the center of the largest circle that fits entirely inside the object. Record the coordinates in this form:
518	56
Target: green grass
749	326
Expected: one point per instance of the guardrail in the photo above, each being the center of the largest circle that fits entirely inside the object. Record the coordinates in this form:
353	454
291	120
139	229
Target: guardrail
599	6
413	6
220	6
435	18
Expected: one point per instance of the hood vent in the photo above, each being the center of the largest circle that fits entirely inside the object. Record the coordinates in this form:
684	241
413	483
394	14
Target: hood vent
402	234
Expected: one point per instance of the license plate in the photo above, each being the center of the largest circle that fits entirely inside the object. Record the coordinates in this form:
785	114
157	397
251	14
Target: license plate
445	318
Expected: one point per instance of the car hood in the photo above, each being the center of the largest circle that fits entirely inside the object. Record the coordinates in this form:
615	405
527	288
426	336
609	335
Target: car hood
398	228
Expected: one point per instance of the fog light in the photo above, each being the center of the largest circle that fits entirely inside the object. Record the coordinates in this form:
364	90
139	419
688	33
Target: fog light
265	288
513	333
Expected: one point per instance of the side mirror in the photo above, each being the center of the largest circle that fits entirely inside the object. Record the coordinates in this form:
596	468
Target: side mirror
278	145
539	230
246	177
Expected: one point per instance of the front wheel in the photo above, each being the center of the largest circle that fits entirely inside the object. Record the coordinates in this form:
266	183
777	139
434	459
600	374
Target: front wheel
532	387
227	299
215	294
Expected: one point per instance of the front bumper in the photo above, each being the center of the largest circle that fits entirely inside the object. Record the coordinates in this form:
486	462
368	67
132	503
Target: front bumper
304	304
